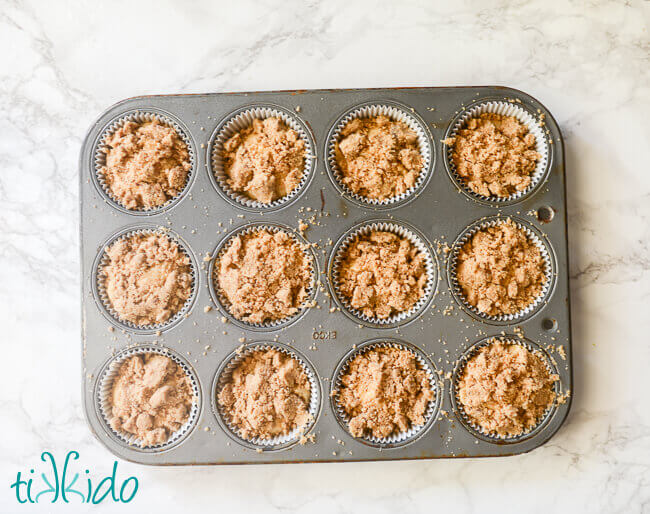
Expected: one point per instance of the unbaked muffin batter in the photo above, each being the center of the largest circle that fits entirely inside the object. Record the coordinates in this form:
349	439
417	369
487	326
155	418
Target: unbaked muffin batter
505	389
383	392
267	395
378	158
151	398
382	274
264	276
147	278
500	270
147	164
495	155
265	161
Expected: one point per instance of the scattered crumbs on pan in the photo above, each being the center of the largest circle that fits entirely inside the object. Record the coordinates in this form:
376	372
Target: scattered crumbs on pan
307	438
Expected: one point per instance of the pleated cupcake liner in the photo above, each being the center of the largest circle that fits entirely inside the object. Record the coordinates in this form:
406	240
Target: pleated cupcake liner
99	159
103	260
522	115
402	230
241	120
222	302
394	112
104	407
396	439
223	377
532	235
475	428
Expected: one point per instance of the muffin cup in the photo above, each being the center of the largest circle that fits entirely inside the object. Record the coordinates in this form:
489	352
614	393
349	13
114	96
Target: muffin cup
101	295
223	375
99	158
523	116
476	429
400	229
549	270
396	112
239	120
103	402
222	302
398	439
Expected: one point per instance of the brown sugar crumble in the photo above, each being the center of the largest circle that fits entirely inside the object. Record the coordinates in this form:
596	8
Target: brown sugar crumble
267	395
505	389
383	392
264	276
378	158
265	161
500	270
147	278
151	398
495	155
147	164
382	274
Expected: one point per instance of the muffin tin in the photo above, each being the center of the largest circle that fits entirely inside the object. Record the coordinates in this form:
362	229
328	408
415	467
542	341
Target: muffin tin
438	211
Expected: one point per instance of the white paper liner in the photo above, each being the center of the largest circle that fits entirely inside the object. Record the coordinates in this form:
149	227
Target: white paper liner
103	260
503	108
223	302
104	406
545	253
281	441
399	438
476	429
395	113
242	120
100	158
402	231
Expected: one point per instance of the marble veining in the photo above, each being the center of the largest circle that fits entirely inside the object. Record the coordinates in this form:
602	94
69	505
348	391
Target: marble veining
64	62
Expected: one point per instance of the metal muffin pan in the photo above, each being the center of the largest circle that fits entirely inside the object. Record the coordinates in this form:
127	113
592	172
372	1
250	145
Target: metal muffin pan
325	335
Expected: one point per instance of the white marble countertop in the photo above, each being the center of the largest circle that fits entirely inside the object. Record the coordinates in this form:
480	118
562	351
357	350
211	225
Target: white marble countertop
64	62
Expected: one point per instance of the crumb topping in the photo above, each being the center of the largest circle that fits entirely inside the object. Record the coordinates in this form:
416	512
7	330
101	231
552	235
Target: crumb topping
151	398
383	392
264	276
505	388
147	164
495	155
267	395
382	274
378	158
500	270
265	161
147	278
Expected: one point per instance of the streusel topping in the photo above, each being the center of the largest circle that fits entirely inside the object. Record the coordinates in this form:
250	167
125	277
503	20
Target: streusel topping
147	164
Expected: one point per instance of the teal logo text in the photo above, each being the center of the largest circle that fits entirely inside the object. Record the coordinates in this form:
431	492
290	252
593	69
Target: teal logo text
65	485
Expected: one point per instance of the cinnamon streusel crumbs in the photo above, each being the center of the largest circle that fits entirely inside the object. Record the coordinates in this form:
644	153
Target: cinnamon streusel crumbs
267	395
505	388
147	278
495	155
378	158
264	276
265	161
384	391
500	270
382	274
147	164
151	398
